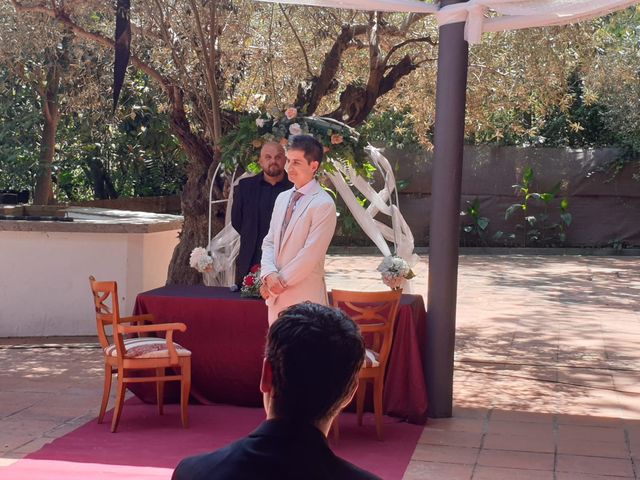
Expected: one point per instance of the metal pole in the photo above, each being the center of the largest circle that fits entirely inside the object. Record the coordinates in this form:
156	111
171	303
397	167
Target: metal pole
453	54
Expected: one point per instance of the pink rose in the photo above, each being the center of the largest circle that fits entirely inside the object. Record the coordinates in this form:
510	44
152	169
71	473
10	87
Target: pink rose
336	139
291	112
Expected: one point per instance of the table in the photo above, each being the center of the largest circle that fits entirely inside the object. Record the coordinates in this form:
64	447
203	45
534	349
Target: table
226	335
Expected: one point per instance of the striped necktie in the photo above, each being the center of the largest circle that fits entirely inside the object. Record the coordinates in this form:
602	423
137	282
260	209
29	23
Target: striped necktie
287	216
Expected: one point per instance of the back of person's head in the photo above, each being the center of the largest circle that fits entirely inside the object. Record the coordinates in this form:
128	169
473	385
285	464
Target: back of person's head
312	148
315	354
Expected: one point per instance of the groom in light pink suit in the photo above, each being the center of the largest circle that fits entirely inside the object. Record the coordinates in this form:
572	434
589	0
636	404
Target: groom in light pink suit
302	225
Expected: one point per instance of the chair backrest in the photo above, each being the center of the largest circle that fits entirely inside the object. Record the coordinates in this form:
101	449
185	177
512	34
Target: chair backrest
105	300
375	313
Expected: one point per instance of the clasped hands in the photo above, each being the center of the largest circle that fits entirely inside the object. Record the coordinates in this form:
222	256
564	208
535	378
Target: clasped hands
272	284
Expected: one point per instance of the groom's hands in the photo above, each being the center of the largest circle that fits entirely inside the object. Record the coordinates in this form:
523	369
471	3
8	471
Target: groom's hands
274	283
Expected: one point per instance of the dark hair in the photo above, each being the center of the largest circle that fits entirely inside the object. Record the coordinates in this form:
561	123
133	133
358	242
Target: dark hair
315	354
312	148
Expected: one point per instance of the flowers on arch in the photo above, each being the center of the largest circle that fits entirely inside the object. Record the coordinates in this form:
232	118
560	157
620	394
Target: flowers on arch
340	142
394	270
201	260
251	283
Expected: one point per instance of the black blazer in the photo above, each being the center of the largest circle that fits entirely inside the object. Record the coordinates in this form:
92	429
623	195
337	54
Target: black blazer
245	213
276	450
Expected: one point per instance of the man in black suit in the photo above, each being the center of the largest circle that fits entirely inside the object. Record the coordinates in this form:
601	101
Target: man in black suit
309	374
253	200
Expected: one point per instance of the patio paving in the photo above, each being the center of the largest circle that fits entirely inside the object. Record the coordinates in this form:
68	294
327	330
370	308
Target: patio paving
547	372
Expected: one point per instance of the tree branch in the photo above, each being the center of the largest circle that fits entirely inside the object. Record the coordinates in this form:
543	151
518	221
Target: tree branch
397	47
410	20
164	32
397	72
208	58
269	54
295	33
310	94
64	19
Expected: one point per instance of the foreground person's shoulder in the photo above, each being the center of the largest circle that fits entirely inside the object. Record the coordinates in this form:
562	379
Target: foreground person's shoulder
200	467
356	473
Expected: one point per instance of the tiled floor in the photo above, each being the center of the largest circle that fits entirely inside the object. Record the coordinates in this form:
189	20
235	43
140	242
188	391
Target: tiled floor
547	372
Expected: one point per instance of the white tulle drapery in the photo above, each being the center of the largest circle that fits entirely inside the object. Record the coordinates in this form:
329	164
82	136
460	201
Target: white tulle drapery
483	16
384	202
225	246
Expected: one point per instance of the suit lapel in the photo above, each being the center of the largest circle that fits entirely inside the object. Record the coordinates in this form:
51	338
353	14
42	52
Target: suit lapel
301	207
282	211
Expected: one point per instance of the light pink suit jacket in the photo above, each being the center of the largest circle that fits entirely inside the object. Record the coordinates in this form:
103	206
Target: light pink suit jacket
299	258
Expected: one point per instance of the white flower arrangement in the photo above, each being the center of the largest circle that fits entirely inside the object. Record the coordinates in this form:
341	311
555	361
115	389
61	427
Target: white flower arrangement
201	260
394	270
295	129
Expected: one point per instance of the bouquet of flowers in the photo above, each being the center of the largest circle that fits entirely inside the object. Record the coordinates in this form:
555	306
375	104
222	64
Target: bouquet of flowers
394	271
251	283
201	260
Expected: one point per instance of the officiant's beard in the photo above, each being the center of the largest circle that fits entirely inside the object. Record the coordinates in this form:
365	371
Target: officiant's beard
274	170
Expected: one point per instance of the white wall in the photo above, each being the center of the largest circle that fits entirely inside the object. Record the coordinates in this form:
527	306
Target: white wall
44	286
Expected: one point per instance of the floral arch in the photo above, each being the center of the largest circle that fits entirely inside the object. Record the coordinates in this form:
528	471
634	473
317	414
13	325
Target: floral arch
349	162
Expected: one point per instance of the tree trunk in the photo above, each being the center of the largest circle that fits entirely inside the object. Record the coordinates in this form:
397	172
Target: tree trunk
357	101
56	61
103	187
195	209
195	195
43	194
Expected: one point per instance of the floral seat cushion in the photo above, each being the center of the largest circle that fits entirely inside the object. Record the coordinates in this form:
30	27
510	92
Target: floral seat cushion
146	347
371	359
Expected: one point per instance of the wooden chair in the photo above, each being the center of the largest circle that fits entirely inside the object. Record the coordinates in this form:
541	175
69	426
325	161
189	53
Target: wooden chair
132	350
375	313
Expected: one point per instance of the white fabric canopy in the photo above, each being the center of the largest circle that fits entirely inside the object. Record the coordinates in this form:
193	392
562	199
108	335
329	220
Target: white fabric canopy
488	15
367	5
517	14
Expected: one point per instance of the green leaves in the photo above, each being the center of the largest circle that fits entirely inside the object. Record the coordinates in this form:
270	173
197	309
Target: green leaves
512	209
241	146
527	176
476	230
565	215
537	226
393	127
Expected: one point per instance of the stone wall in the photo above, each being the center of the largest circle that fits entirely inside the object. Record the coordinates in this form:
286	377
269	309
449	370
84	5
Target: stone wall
168	204
605	210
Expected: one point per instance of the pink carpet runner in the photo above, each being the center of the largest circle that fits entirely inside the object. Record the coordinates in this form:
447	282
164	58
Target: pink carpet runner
148	446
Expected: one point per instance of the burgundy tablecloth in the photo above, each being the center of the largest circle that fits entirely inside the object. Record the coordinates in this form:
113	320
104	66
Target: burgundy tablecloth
226	335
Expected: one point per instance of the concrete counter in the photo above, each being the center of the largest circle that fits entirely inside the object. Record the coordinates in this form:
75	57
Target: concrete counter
45	265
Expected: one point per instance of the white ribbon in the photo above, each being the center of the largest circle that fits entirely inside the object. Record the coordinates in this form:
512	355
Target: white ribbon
225	245
380	202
